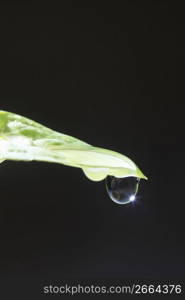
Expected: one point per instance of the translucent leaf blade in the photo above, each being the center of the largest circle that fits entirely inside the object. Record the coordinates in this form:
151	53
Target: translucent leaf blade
24	139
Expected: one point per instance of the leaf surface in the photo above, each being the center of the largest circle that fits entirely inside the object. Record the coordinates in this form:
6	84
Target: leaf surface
26	140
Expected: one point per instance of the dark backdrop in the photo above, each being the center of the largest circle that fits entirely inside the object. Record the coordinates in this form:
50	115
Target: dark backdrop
111	74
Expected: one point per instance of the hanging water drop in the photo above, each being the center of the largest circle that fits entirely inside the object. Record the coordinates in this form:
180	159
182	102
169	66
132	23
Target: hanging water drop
122	190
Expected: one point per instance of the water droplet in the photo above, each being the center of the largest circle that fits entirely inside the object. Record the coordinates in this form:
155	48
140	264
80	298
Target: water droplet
122	190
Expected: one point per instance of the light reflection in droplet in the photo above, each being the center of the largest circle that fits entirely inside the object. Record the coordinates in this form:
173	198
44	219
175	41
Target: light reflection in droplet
122	190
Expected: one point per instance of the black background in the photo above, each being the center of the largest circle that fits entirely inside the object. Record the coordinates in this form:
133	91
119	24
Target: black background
111	74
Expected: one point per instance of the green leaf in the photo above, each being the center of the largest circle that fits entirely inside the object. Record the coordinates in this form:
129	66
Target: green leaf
24	139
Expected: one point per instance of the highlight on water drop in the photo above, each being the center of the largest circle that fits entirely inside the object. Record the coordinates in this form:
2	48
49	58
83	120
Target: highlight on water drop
122	190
